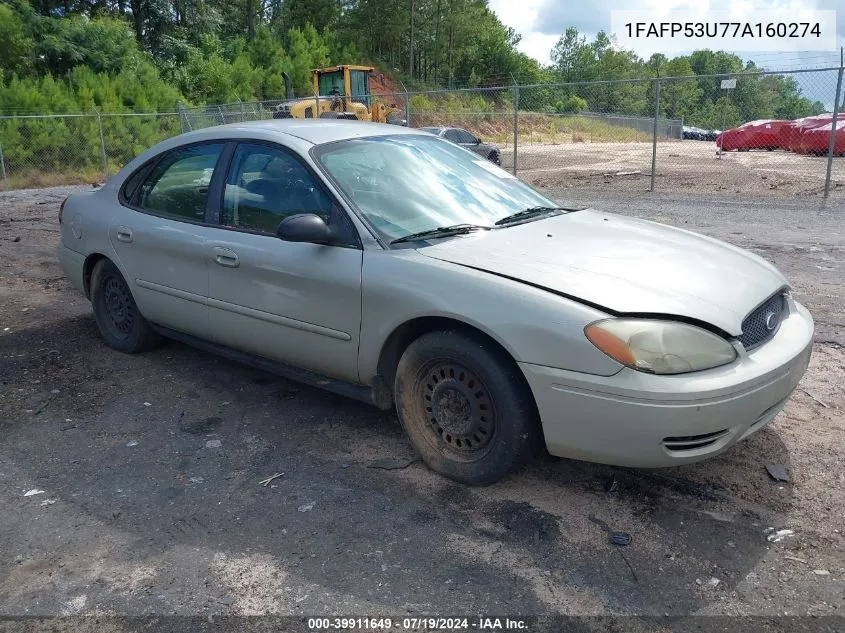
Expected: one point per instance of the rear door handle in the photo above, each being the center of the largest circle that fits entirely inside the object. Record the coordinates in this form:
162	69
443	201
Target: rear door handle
124	234
226	257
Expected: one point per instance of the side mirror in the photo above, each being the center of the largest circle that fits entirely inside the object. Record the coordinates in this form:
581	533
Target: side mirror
477	140
304	227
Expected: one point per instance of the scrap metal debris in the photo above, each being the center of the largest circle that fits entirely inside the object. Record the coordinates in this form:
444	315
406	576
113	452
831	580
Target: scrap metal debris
266	482
776	536
33	492
620	538
824	404
777	472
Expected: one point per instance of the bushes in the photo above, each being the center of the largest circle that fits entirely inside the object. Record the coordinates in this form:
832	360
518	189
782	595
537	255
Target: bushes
572	104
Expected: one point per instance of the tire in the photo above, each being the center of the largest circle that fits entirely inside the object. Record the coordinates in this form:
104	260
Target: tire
349	116
465	407
494	158
116	313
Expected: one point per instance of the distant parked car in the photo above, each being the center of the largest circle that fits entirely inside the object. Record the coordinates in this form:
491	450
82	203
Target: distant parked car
698	134
467	140
763	134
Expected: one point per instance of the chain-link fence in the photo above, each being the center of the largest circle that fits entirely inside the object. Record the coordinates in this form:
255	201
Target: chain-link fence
669	134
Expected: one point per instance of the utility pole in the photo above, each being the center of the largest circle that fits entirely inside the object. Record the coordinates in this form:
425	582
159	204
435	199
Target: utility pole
832	142
411	47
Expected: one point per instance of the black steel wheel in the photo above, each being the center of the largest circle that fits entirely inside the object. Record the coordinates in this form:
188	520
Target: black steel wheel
116	313
460	409
465	407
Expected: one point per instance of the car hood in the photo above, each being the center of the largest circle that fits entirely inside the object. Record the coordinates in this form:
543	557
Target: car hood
623	265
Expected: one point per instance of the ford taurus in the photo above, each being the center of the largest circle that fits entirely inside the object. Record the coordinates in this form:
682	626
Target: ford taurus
395	267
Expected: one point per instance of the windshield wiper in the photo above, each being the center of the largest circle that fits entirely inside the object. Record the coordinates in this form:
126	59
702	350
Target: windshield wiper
442	231
529	213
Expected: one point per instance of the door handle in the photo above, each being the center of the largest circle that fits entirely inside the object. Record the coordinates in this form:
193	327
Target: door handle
124	235
226	257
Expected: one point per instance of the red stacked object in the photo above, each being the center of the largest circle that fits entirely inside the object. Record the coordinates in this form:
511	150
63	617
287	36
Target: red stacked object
764	134
790	135
816	140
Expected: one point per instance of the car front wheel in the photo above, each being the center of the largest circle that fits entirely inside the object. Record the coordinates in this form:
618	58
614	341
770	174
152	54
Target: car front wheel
465	407
117	316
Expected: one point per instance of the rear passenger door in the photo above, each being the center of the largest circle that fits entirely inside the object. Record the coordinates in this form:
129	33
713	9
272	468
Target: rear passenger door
293	302
159	236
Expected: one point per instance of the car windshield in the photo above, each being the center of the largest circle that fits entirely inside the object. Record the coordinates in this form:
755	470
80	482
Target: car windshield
406	184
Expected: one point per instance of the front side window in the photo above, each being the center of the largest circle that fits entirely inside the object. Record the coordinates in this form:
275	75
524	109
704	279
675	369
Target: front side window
331	83
466	137
405	184
265	185
178	184
452	135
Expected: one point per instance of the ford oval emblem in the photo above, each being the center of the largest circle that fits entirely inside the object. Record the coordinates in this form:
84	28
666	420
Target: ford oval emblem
771	321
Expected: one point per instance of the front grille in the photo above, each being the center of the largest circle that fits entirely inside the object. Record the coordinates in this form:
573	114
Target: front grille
761	325
693	442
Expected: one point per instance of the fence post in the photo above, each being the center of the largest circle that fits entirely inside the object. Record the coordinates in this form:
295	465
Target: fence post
2	165
243	112
832	141
515	125
183	118
654	133
103	147
222	117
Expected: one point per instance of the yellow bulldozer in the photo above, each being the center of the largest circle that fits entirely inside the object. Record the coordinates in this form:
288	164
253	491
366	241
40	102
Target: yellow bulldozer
340	92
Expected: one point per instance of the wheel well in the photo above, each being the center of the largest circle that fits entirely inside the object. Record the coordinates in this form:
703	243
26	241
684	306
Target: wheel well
408	332
88	268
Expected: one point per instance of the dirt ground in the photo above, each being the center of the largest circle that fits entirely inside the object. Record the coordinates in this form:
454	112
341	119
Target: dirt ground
150	468
692	167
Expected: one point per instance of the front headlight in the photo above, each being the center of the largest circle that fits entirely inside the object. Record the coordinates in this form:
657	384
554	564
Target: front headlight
660	347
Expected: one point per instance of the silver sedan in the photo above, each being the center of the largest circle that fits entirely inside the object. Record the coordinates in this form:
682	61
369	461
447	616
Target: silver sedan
397	268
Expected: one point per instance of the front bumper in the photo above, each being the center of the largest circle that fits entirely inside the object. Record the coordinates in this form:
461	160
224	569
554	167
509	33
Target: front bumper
644	420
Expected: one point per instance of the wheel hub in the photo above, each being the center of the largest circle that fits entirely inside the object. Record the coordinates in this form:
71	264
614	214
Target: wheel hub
459	408
452	410
118	304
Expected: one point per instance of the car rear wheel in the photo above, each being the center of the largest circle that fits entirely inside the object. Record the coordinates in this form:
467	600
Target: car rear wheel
116	313
465	407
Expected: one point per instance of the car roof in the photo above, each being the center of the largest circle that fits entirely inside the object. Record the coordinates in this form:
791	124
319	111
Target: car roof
315	131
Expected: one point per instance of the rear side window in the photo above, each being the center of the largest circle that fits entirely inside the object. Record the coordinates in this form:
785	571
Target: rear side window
465	137
130	186
178	185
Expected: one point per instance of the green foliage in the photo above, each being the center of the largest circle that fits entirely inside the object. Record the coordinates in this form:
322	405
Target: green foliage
697	98
61	56
572	104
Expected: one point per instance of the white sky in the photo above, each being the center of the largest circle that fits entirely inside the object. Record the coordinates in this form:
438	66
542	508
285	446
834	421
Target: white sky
541	22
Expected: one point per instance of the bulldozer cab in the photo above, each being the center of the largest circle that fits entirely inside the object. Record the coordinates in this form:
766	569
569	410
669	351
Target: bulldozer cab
347	82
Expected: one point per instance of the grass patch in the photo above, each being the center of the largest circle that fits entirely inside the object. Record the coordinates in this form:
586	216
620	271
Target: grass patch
534	128
38	179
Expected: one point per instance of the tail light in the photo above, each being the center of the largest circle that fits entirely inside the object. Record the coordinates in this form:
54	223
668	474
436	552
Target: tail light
62	208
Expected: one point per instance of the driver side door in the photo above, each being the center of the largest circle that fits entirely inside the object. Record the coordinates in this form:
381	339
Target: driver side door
294	302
